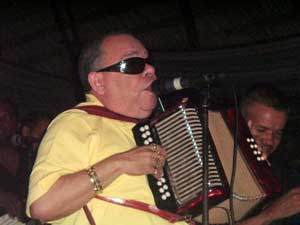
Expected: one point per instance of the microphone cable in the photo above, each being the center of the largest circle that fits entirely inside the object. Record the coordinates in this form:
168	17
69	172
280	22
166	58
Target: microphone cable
234	156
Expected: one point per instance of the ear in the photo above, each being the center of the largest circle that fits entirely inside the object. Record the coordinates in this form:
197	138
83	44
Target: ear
96	82
249	123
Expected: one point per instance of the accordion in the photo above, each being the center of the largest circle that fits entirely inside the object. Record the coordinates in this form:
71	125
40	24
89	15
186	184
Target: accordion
180	131
7	220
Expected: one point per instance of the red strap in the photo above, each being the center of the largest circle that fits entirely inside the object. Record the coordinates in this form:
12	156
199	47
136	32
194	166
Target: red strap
89	216
101	111
171	217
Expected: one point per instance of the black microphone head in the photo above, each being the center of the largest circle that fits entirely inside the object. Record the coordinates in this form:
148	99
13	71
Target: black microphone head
168	85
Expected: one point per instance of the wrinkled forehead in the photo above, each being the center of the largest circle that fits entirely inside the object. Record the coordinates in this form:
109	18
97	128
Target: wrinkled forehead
267	116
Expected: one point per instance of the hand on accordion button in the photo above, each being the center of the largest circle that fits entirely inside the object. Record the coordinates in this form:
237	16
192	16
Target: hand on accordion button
159	160
159	156
142	160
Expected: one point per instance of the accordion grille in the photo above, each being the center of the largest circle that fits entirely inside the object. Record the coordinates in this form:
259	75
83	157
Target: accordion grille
182	135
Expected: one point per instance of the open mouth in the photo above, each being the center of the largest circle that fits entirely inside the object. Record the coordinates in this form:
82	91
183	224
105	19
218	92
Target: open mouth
149	87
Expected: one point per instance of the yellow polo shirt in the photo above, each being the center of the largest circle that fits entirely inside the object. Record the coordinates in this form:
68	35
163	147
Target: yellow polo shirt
76	140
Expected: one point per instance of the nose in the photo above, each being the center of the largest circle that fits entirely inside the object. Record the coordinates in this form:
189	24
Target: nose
149	71
269	139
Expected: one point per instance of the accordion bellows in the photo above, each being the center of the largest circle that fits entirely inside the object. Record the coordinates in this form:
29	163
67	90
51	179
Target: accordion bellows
180	132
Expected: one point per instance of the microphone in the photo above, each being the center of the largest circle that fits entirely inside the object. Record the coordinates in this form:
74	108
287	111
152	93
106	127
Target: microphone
167	85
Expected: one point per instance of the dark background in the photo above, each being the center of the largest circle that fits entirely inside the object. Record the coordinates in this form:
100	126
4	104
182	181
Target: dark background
248	41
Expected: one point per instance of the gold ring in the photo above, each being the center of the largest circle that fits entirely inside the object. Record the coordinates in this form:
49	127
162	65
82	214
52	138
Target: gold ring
157	164
154	147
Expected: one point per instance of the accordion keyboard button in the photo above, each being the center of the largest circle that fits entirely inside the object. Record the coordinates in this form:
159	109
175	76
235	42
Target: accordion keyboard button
260	158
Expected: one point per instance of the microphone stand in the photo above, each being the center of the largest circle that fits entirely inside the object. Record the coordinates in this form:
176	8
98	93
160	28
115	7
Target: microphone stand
205	106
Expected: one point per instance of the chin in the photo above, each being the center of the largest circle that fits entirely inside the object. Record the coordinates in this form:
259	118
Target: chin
150	106
146	110
146	103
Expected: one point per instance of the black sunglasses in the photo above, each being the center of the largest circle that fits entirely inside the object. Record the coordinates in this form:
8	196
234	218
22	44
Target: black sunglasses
133	65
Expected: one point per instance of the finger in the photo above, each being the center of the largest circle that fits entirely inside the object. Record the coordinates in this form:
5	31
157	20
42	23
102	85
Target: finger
153	147
158	161
157	148
162	157
158	164
161	150
155	171
159	173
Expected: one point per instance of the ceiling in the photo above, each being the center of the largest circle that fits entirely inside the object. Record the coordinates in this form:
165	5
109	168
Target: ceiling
40	42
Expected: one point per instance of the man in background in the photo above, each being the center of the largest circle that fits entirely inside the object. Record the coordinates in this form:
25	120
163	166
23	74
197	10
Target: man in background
266	112
10	201
32	128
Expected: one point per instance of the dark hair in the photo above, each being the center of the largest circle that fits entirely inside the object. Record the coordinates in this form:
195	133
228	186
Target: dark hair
34	117
90	57
267	95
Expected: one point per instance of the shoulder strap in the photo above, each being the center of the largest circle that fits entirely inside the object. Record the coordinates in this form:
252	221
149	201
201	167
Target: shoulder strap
89	215
171	217
101	111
